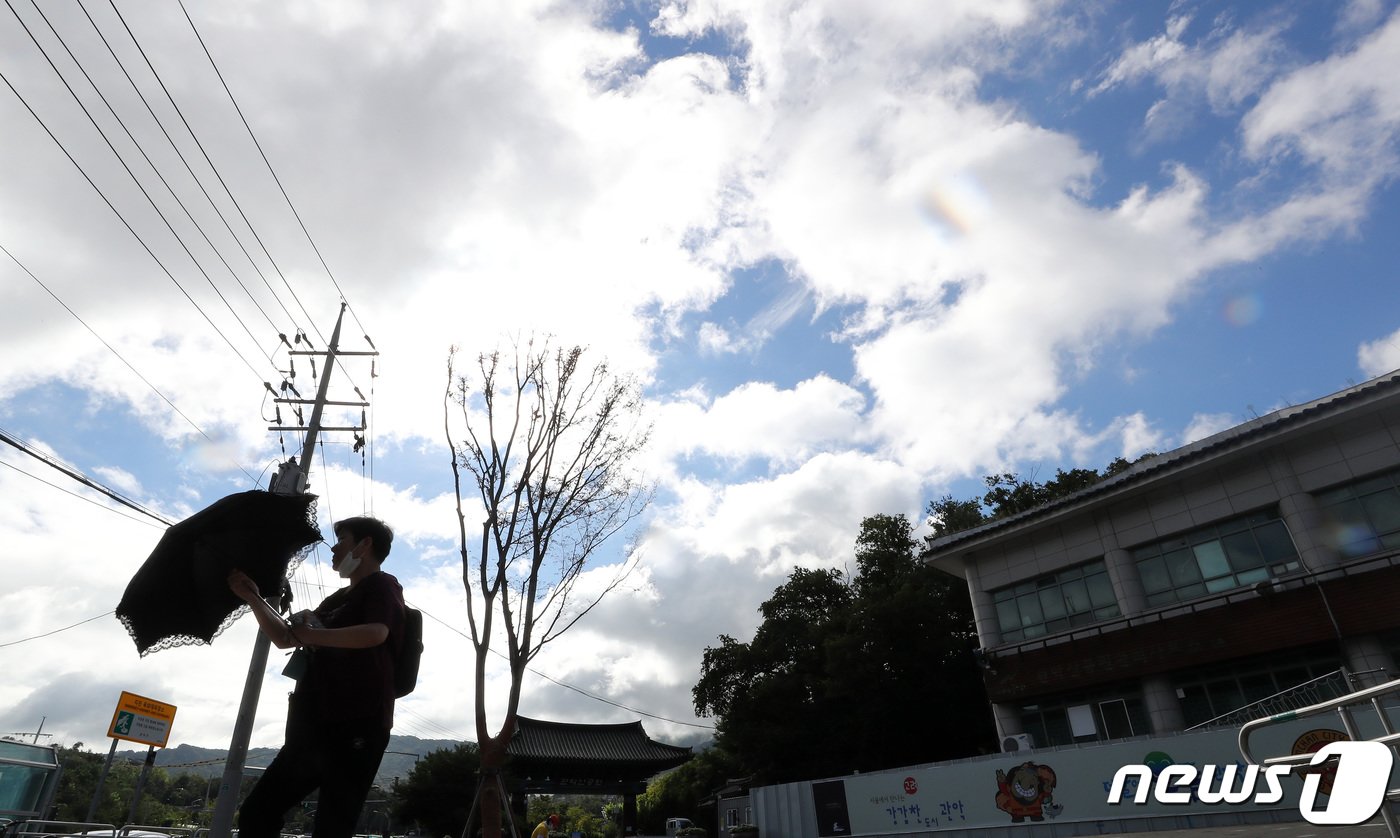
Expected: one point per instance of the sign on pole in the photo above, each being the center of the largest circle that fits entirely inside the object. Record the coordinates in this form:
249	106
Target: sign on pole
141	719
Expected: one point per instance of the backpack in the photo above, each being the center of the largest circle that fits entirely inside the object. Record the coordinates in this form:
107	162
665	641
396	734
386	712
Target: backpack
410	653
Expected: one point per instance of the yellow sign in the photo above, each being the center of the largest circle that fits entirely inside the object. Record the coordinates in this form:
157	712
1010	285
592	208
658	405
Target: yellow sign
141	719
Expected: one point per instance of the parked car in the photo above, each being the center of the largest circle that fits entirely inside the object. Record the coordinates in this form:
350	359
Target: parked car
675	825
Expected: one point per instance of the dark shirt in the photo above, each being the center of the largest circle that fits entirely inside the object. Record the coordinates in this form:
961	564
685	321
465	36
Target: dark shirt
344	685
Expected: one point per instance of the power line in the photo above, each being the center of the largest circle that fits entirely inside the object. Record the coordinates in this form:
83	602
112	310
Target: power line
268	163
126	223
207	159
578	690
139	186
78	496
255	143
81	478
137	143
55	631
119	356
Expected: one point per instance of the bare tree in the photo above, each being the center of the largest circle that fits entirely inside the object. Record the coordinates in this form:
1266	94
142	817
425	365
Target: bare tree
548	445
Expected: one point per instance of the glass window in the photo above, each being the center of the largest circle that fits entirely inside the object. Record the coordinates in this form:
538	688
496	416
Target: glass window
1055	602
1076	596
1217	558
1116	712
1153	572
1101	590
1364	516
1210	558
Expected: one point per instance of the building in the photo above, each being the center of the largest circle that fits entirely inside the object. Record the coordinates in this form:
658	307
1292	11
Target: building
1197	581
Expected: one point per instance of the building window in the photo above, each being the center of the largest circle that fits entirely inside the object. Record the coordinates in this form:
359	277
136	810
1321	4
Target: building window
1211	692
1079	719
1363	517
1057	601
1217	558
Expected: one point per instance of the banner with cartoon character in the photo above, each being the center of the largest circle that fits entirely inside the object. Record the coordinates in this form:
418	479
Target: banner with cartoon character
1041	786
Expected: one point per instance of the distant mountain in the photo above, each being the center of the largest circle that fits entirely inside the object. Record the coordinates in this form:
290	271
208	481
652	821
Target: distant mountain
399	757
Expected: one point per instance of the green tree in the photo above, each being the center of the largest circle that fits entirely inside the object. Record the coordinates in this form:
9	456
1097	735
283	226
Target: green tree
840	676
1008	494
905	659
680	793
772	693
437	794
166	800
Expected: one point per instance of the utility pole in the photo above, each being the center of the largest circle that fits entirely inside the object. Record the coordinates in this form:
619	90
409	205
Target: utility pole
290	478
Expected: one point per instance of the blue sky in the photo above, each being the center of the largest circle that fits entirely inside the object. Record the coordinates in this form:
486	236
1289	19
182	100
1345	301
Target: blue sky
859	255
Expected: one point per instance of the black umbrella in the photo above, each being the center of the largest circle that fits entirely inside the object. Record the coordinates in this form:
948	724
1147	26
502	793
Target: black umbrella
180	594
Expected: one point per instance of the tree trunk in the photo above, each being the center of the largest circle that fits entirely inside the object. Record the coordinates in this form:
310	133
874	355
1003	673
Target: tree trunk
493	759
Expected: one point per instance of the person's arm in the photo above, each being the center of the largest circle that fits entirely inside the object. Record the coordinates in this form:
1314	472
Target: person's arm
362	636
268	621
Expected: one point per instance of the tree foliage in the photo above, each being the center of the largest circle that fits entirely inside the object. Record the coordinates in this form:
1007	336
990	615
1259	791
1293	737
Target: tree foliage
680	793
166	800
437	794
591	815
860	674
546	449
1008	494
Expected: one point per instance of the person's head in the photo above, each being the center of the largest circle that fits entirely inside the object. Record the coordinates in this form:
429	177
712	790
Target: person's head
554	821
361	539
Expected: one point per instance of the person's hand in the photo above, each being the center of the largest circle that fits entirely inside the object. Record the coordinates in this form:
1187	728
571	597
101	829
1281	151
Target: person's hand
306	617
243	586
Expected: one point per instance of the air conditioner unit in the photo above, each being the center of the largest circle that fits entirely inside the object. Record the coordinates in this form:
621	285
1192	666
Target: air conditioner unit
1017	742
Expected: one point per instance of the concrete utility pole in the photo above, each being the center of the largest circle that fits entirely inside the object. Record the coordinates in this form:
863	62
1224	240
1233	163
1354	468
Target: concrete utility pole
290	478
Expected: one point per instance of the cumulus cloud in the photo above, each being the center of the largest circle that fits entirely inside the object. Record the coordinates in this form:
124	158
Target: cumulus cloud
1205	424
1381	355
1339	114
477	176
784	427
1223	68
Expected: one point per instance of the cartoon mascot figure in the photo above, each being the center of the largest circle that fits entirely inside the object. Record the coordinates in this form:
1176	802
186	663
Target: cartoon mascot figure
1027	792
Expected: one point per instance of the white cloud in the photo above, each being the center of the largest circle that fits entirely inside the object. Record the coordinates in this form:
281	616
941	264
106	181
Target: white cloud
1205	424
521	167
757	419
1340	114
1380	356
1224	69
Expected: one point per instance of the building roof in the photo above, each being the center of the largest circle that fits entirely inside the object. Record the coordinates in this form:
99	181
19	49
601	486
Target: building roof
1149	468
540	741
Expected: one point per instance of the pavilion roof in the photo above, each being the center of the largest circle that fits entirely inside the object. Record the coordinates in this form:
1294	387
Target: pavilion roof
539	741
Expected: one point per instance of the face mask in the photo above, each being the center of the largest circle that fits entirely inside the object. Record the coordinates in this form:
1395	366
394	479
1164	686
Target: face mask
348	565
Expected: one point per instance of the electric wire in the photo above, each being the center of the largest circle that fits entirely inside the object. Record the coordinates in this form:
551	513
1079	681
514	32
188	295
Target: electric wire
137	181
213	168
127	224
141	521
181	114
55	631
10	440
567	686
273	172
122	358
263	154
142	150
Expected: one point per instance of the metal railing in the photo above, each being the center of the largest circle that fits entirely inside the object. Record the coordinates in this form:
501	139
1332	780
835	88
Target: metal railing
1332	685
64	829
1342	706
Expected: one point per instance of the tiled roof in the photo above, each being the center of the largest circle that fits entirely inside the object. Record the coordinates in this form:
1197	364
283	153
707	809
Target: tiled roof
538	740
1201	449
